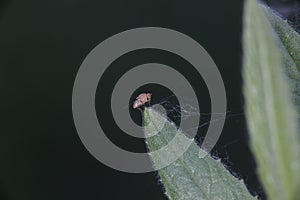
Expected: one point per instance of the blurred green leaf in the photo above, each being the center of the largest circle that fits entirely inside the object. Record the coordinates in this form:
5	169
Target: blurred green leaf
271	116
195	175
288	41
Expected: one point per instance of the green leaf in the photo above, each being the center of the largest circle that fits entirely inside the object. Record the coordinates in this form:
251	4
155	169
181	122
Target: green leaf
195	175
270	114
288	41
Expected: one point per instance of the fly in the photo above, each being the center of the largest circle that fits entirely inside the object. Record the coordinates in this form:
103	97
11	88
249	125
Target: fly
141	100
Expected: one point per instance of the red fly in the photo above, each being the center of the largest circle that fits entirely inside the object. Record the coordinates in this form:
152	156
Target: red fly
142	99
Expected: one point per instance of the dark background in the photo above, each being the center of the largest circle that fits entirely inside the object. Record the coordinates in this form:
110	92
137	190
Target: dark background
42	45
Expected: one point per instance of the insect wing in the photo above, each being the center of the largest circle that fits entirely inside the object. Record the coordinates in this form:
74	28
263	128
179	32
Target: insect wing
137	104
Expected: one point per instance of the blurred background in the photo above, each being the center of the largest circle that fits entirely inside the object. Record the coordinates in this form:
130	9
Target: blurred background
42	45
